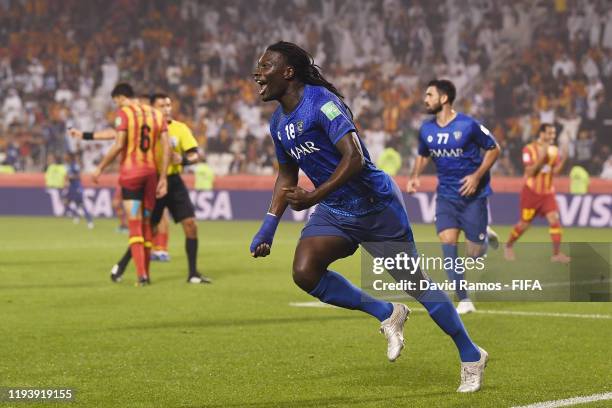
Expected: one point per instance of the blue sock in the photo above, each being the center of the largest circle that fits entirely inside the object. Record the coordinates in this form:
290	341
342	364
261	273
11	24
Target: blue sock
450	251
443	312
336	290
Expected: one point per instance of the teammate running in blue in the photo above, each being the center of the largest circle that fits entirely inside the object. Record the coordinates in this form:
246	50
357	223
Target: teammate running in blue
313	130
74	194
454	142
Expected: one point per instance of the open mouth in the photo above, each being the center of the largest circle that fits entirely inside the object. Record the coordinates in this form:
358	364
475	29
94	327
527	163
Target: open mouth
264	86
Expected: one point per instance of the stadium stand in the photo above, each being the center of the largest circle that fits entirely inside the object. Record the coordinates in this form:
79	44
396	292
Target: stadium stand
510	72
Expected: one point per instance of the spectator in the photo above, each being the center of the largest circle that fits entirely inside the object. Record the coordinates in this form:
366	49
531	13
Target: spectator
579	180
375	139
564	66
204	175
55	175
584	149
12	108
390	161
560	67
606	172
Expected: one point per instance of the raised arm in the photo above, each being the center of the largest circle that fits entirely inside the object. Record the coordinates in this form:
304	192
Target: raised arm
112	153
104	134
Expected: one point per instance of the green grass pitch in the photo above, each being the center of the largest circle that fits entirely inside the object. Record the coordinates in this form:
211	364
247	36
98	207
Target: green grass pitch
238	343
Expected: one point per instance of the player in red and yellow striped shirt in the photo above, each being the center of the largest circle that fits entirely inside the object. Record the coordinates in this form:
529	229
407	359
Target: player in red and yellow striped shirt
138	128
542	161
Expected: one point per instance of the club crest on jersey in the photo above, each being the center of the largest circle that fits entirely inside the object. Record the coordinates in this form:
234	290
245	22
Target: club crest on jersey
457	134
300	127
173	141
429	139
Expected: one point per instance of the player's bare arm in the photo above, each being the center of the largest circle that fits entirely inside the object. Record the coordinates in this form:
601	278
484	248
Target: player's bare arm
110	156
419	165
104	134
162	184
350	165
287	178
470	182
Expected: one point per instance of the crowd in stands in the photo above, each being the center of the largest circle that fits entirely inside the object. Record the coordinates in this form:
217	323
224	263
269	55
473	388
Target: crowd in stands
516	64
565	78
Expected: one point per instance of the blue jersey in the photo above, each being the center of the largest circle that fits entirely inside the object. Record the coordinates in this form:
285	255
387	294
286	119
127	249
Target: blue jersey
456	150
74	177
308	136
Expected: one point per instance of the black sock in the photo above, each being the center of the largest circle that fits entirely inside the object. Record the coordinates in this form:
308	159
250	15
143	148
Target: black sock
191	247
125	260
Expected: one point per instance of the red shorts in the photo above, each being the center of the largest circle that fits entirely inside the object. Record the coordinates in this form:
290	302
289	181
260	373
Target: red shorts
533	204
139	186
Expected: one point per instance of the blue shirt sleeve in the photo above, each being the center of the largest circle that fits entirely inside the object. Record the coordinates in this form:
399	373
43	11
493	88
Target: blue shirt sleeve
281	154
334	119
423	149
483	136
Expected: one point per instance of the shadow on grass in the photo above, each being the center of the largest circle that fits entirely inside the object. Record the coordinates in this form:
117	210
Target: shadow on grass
237	323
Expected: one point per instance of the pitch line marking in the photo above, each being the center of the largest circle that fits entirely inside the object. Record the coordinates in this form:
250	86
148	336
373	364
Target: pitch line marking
570	401
317	304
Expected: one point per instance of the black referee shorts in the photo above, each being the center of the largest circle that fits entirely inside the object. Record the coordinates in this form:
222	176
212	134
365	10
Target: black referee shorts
177	201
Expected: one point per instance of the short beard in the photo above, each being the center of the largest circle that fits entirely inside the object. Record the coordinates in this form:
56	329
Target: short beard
434	110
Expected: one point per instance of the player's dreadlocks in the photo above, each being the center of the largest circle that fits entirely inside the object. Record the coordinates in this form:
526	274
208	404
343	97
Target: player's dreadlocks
305	69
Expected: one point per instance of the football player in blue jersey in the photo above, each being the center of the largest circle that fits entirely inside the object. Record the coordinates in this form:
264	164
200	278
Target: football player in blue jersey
74	193
454	142
357	203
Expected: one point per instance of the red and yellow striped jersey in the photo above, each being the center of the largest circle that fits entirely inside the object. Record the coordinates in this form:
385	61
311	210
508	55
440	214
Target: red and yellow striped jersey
541	182
143	125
